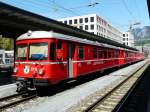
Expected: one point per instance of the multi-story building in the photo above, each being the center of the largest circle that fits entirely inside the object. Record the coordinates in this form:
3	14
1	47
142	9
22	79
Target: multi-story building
94	24
128	39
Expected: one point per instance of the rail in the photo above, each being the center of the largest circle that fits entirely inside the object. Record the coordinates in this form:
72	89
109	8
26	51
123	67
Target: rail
15	99
116	93
112	96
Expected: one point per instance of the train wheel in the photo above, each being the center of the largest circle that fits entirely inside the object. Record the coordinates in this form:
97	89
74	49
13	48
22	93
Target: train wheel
21	86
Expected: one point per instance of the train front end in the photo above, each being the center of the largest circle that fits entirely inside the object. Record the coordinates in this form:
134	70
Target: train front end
32	66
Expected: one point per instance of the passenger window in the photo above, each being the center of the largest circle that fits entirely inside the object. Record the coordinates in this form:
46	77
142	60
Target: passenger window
100	53
80	52
118	53
59	45
94	52
105	53
52	51
109	53
112	54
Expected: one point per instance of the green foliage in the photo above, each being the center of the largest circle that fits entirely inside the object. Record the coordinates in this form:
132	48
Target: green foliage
6	43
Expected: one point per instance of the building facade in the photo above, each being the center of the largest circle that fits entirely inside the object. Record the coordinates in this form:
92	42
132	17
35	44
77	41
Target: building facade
128	39
94	24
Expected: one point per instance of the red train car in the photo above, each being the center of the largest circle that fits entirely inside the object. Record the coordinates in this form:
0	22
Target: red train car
46	58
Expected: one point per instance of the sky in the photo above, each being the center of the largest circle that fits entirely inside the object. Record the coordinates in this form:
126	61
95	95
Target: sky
119	13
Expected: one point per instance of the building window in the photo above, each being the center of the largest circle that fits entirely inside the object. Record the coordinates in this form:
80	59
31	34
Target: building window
86	27
75	21
70	21
123	39
123	35
92	19
92	27
86	20
80	52
81	27
81	20
127	39
65	22
104	30
127	35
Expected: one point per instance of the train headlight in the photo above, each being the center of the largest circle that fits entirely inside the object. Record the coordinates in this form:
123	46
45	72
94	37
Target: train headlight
15	70
41	72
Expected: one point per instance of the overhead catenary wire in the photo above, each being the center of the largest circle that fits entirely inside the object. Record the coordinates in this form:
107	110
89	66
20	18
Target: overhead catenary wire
138	11
51	7
40	7
66	9
130	13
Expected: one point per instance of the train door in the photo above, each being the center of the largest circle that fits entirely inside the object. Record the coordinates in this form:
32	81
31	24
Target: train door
70	53
121	59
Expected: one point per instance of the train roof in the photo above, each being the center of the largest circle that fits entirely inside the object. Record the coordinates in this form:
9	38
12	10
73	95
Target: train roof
51	34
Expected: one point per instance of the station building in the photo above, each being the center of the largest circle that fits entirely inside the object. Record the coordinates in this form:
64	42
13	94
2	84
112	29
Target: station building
94	24
128	39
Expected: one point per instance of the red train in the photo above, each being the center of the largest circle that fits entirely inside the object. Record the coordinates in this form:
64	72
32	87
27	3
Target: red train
46	58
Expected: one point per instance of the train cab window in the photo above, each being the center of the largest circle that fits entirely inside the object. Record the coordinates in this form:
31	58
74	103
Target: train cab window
52	51
94	52
80	52
59	45
21	51
38	51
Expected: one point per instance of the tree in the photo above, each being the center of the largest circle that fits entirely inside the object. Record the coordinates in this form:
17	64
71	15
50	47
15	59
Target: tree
6	43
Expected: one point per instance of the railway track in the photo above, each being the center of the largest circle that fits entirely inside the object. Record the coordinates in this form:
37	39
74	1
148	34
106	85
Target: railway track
16	99
107	100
